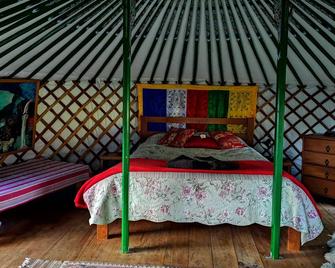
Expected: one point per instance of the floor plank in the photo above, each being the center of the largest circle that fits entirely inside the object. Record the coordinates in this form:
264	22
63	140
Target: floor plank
55	230
200	251
262	236
177	253
245	248
223	247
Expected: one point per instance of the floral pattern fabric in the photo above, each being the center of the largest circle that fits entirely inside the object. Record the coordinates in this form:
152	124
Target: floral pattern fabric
182	137
204	198
211	199
176	106
169	136
227	140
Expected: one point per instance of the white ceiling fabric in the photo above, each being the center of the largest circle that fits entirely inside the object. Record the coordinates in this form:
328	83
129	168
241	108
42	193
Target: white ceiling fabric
62	43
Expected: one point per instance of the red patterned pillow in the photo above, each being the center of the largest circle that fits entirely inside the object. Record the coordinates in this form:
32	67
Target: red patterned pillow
182	137
217	135
169	136
227	140
197	142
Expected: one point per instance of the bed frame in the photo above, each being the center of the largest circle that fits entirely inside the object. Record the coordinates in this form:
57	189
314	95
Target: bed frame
293	236
247	122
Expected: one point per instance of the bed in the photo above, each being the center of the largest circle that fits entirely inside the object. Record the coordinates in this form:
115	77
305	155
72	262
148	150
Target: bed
238	197
29	180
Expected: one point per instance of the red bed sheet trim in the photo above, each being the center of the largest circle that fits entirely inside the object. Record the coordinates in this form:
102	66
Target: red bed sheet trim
250	167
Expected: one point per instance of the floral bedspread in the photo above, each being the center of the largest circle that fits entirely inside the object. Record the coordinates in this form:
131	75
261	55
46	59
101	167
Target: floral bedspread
238	199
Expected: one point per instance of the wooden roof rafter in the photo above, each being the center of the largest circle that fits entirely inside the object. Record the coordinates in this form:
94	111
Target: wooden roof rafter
179	31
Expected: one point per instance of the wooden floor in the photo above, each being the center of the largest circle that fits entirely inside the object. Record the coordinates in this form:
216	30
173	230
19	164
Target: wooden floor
53	229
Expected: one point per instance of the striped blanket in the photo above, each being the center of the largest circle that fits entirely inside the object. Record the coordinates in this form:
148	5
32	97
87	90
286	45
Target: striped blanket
29	180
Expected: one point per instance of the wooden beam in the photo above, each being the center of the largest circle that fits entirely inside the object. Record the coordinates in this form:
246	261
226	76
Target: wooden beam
126	83
102	232
293	240
279	129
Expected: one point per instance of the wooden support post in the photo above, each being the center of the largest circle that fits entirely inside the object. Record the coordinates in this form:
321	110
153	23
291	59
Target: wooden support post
293	240
127	6
279	131
102	231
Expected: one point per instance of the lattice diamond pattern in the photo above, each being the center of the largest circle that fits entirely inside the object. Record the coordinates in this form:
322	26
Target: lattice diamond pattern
77	122
309	110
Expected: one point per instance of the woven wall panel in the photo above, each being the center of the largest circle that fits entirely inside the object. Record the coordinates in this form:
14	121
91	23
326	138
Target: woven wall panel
308	110
77	122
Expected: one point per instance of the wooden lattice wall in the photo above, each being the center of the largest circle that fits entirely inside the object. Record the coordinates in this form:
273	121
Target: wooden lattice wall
77	122
308	110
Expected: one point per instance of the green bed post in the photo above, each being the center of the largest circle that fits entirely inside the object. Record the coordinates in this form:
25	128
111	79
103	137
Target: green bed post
279	133
126	124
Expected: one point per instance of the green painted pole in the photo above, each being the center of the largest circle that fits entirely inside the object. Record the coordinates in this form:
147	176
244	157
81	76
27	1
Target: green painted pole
279	133
126	124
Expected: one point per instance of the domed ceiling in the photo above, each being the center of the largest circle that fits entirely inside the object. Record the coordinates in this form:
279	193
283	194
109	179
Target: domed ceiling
189	41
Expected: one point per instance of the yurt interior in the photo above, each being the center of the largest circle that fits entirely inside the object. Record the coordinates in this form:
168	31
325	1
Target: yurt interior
179	133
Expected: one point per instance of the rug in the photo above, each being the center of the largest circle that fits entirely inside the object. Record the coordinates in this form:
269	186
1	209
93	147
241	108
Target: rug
330	256
38	263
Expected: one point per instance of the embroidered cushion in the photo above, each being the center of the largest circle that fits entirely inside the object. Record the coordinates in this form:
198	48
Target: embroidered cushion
198	142
227	140
169	136
182	137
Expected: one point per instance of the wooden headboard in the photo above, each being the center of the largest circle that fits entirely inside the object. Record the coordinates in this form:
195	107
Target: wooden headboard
240	104
247	122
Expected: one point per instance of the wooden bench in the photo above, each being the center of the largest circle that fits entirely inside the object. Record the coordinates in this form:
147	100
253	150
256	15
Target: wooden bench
26	181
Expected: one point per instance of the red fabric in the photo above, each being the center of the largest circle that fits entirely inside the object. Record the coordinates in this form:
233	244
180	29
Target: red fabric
227	140
220	134
197	106
29	189
197	142
23	182
182	137
169	136
251	167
